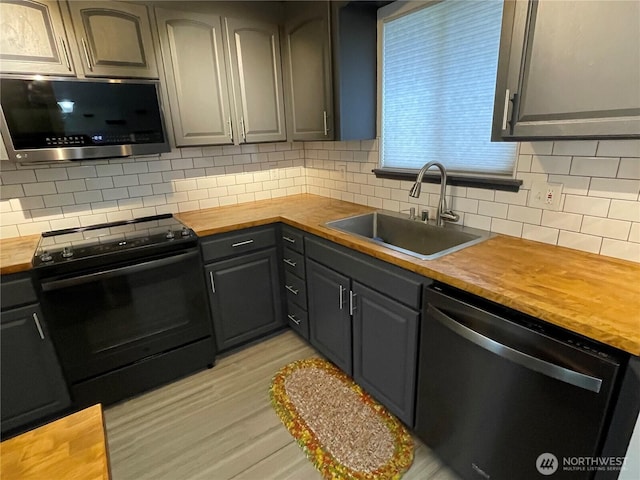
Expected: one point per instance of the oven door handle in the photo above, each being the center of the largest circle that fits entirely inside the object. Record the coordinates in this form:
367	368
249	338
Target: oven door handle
51	285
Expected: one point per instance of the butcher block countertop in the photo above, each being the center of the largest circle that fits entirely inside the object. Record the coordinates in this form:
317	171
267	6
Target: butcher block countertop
593	295
72	447
16	253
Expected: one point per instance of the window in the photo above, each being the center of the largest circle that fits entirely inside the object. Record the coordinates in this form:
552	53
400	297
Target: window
439	64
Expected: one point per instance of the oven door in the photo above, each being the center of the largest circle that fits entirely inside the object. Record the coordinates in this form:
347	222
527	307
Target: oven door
107	318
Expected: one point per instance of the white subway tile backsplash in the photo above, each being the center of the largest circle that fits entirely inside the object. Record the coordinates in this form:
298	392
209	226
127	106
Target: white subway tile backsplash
572	184
98	183
524	214
136	167
634	234
514	198
615	188
477	221
85	171
561	220
619	148
33	228
13	191
540	234
148	178
25	203
554	164
506	227
595	166
625	210
524	163
182	163
70	186
88	196
115	193
159	166
619	249
493	209
606	227
536	148
59	200
125	180
629	168
88	220
587	205
109	170
51	174
579	241
8	231
582	148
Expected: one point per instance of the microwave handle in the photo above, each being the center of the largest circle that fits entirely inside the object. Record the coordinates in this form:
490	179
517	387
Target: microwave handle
525	360
51	285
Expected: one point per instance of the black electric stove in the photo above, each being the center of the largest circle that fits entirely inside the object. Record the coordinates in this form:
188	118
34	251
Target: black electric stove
106	243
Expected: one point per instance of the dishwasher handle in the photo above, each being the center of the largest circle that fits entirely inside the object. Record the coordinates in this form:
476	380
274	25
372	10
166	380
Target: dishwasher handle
544	367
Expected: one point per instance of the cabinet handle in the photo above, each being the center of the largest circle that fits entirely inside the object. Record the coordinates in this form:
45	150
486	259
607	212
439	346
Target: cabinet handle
244	133
240	244
341	296
213	284
293	319
506	110
352	302
65	51
86	54
230	130
38	326
290	262
288	239
291	289
324	123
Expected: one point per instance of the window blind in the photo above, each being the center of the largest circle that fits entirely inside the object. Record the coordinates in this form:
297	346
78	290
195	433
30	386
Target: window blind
439	67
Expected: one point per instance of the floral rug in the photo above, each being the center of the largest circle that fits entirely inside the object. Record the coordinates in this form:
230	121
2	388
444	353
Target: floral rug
343	431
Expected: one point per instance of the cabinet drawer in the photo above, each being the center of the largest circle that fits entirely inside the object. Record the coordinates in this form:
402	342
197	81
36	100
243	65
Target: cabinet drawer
298	320
293	262
292	238
227	244
296	290
15	292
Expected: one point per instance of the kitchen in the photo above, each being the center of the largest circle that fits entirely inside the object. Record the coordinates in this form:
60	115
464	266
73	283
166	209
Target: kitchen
599	177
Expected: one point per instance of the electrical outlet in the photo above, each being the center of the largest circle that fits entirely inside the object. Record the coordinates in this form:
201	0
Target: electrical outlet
545	195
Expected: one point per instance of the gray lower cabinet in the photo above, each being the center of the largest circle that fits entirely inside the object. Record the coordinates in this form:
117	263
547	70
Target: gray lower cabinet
244	285
364	316
329	317
568	70
385	350
32	385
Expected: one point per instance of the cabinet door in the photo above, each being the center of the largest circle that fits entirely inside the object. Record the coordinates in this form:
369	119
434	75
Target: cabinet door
254	51
329	317
573	70
385	345
196	77
32	382
114	38
245	297
33	39
307	71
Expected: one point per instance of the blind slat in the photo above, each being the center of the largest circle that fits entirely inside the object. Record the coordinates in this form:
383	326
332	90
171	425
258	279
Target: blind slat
438	82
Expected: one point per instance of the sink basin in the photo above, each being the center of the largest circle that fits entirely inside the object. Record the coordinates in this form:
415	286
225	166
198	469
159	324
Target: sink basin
421	240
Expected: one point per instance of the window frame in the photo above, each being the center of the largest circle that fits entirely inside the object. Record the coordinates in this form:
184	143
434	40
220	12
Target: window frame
390	12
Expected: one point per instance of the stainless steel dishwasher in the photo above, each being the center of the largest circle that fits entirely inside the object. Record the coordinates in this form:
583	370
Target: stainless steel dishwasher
504	396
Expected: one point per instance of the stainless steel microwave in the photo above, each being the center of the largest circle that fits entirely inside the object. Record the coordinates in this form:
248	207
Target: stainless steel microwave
46	119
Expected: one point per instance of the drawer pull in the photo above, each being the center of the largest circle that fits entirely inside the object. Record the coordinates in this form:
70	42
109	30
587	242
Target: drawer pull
291	289
240	244
293	319
289	239
38	326
213	283
288	261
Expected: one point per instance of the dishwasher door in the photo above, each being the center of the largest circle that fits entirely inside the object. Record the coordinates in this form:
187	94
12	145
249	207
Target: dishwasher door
494	395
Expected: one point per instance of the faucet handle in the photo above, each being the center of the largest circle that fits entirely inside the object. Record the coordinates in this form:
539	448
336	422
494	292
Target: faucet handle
412	213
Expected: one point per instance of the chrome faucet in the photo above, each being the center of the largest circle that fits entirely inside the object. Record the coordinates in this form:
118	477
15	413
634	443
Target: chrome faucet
443	212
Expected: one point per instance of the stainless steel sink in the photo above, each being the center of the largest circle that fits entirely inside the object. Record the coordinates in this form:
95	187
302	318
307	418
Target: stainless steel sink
398	232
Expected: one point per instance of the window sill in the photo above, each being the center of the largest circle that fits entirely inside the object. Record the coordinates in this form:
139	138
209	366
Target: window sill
491	183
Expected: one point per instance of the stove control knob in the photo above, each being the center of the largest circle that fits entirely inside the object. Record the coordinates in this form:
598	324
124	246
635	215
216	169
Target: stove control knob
67	252
45	256
185	232
170	235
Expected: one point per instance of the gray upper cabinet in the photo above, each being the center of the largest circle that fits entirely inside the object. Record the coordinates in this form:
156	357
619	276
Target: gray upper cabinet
196	77
306	58
254	53
33	39
568	70
114	39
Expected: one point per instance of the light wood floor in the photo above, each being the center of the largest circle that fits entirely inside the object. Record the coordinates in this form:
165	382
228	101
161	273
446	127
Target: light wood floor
218	424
